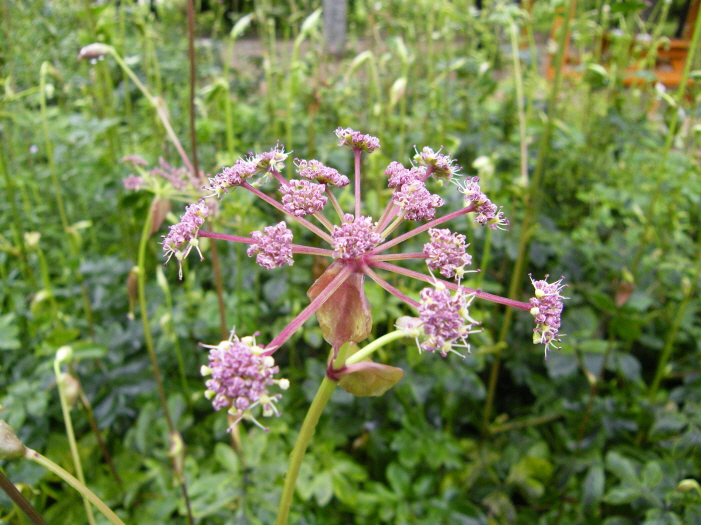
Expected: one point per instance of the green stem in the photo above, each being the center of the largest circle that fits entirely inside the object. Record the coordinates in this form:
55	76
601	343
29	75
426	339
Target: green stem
145	234
375	345
672	335
49	465
173	433
65	408
49	148
518	80
305	434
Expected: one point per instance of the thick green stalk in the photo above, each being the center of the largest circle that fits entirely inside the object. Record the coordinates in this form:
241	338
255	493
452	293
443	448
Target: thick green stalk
49	465
529	216
305	434
66	409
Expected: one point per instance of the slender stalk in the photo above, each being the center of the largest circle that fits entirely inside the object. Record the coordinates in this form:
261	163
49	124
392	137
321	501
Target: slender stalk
193	87
305	314
672	334
518	80
33	455
396	256
65	408
334	202
18	499
16	217
433	280
145	233
356	163
275	204
529	216
49	148
391	289
370	348
419	229
305	434
296	248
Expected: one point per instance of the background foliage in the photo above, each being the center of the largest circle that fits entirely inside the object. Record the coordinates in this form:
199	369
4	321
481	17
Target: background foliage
607	430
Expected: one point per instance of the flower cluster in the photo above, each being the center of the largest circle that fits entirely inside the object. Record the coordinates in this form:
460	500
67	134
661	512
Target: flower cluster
354	237
447	252
398	175
546	308
182	236
356	140
301	197
240	377
445	319
272	246
315	170
417	203
231	177
441	166
133	182
358	249
488	214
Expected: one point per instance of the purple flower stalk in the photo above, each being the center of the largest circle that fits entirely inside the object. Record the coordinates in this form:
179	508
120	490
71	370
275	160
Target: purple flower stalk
359	244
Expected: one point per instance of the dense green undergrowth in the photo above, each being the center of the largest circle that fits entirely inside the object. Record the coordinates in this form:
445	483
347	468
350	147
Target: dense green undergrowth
606	430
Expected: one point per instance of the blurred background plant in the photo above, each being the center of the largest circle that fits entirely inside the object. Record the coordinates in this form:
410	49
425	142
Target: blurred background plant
605	176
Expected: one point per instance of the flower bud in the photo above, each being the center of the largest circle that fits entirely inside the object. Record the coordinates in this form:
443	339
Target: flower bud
64	354
93	51
10	445
687	485
70	387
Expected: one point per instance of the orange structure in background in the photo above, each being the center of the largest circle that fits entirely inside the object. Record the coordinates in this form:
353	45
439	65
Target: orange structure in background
669	61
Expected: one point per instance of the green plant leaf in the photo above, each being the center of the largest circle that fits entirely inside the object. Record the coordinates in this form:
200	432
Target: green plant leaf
370	379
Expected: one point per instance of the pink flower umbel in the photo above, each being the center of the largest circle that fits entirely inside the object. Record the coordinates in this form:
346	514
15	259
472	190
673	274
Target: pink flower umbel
358	248
445	319
273	247
546	308
240	377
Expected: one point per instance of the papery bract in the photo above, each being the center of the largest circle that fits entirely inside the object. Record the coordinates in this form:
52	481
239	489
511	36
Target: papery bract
346	315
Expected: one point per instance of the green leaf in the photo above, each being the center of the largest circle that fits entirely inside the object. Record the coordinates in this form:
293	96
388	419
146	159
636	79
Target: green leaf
370	379
399	479
593	490
652	474
621	467
9	333
227	458
623	494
